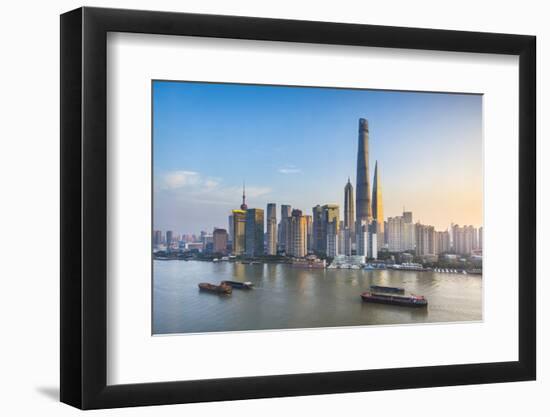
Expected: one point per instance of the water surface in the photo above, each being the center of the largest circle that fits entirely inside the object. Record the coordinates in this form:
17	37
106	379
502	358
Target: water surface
287	298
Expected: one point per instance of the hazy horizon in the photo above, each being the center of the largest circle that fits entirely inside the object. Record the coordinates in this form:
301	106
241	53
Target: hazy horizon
298	146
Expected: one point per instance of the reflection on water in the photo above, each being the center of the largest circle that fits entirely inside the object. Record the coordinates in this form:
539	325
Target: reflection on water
288	298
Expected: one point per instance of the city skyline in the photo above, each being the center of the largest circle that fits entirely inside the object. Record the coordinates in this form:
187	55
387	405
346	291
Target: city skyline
194	179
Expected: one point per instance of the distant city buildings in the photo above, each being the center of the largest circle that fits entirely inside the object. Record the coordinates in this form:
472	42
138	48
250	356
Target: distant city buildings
219	240
362	233
425	239
442	242
401	233
465	239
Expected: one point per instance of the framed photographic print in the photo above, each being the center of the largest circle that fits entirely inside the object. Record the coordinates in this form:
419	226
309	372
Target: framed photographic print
258	207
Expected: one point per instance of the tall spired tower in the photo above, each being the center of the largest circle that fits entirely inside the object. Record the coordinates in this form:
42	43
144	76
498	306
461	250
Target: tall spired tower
377	206
363	205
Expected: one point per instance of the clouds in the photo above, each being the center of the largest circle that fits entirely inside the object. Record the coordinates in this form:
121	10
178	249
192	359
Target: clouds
194	187
178	179
289	169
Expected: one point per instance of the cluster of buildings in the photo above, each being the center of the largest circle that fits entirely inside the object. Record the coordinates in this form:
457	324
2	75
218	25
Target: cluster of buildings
363	232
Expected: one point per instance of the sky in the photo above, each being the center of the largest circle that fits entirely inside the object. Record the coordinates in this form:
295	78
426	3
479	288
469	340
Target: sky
298	146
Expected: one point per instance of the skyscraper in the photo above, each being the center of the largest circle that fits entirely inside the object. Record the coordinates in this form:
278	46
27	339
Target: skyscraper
442	242
297	242
330	228
363	205
219	240
271	229
254	232
309	223
317	233
349	206
425	239
169	236
401	233
157	238
332	238
284	226
378	207
239	230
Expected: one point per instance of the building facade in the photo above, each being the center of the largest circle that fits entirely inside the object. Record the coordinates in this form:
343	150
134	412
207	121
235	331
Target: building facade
363	210
254	232
239	230
284	227
219	240
425	239
378	207
297	241
442	242
271	229
349	212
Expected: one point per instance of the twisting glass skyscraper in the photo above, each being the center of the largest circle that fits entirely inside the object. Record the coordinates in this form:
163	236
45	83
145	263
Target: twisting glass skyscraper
363	204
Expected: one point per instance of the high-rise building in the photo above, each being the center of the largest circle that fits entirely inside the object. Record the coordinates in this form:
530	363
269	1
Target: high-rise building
219	240
330	228
401	233
169	239
372	248
254	232
309	223
317	233
442	242
297	237
230	227
480	238
425	239
239	230
378	207
271	229
464	239
362	189
349	210
362	238
284	227
332	238
157	238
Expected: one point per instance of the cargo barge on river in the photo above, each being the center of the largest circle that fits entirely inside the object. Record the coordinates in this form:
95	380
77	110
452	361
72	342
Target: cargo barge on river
222	289
239	285
393	290
398	300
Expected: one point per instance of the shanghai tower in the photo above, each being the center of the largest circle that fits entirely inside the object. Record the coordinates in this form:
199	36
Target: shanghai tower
362	190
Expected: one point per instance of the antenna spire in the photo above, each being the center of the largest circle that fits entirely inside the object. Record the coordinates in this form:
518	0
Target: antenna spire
243	205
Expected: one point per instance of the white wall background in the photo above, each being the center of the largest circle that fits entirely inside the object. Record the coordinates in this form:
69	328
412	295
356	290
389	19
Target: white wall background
29	176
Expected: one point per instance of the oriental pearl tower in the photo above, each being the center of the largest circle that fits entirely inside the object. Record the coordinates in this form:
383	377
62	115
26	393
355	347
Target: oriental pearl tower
243	205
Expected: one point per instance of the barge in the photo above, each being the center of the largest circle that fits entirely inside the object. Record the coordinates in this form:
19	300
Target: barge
239	285
398	300
222	289
393	290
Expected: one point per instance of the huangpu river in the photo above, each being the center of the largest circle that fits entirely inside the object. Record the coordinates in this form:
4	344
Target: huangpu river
289	298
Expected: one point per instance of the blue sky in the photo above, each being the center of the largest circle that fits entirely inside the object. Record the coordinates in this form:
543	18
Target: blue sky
297	146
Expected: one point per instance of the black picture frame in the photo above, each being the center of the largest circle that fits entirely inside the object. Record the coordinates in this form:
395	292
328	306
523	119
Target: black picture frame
84	207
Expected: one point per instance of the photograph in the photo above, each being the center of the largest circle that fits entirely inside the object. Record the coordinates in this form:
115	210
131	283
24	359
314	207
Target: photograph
291	207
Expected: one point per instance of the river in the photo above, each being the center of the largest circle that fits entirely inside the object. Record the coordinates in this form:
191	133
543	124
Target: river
289	298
